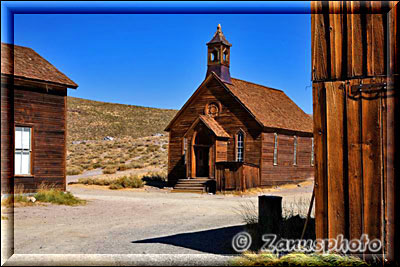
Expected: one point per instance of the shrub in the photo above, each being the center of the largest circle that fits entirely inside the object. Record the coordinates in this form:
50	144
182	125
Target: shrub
140	149
123	167
110	170
156	176
87	181
136	165
96	165
85	166
115	186
153	148
58	197
131	181
101	181
74	170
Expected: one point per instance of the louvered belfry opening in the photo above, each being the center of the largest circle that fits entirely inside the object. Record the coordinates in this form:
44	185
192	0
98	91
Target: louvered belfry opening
218	56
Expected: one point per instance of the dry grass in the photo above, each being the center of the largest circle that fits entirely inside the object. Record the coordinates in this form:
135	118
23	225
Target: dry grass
294	212
157	179
74	170
126	181
18	199
296	259
292	206
47	193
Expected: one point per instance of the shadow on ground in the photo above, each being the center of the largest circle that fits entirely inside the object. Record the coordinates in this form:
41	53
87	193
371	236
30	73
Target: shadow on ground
155	183
215	241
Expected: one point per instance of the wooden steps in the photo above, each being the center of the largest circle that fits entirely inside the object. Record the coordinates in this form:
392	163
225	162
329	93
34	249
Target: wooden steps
193	185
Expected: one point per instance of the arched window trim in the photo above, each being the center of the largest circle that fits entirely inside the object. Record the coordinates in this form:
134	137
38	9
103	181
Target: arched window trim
240	156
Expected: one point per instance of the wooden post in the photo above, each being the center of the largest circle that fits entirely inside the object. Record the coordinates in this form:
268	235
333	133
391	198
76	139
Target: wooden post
269	213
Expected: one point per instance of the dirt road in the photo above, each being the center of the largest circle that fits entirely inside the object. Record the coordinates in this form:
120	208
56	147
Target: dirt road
136	222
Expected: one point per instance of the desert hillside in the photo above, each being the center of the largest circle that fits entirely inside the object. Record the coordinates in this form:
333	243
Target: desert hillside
138	144
93	120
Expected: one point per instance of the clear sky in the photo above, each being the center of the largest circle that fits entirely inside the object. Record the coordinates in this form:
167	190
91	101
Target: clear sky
160	60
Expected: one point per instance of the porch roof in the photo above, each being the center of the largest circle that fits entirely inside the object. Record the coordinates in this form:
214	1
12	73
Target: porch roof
211	124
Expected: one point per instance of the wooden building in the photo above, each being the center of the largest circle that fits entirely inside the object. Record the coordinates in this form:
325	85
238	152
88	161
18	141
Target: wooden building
33	120
355	72
234	134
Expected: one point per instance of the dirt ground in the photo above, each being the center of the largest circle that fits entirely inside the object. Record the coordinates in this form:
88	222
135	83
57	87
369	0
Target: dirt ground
144	221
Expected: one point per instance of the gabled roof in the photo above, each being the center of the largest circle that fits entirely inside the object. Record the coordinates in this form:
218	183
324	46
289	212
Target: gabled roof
219	37
30	65
270	107
211	124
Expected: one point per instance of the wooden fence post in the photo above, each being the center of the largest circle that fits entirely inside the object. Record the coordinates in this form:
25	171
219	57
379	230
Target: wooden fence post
269	213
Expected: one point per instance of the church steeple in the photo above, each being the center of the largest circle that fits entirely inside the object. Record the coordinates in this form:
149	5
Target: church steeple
218	56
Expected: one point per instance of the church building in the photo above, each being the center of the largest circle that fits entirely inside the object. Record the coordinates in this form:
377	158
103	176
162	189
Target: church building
233	134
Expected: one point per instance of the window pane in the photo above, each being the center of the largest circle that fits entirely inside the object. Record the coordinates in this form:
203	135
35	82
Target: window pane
18	137
18	158
275	149
312	151
26	138
25	165
295	151
240	145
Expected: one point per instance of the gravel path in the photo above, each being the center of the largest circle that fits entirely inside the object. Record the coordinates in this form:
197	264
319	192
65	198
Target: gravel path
136	222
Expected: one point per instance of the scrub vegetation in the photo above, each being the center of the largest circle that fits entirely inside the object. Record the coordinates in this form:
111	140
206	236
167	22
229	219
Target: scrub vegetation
127	181
296	259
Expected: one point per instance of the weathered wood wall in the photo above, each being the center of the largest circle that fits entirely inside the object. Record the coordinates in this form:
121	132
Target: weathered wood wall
238	176
45	112
7	137
355	45
285	171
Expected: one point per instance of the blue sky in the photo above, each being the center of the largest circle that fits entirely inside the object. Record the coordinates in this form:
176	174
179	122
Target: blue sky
159	60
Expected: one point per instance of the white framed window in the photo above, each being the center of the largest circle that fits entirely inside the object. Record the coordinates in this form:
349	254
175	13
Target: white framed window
312	151
184	149
295	150
23	150
240	146
275	149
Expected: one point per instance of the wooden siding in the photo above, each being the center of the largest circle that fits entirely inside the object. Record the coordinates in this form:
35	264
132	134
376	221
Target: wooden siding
236	176
7	137
221	150
232	117
285	171
356	46
45	113
349	39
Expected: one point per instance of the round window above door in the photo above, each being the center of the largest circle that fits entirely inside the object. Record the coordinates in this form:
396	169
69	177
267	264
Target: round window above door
213	109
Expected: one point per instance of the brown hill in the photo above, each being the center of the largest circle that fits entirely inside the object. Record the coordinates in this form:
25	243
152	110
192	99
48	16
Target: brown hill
93	120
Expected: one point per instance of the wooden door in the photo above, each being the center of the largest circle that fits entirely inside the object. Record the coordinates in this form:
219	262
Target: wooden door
202	161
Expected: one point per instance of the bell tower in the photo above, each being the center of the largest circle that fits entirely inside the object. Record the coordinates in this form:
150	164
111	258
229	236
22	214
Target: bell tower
218	56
